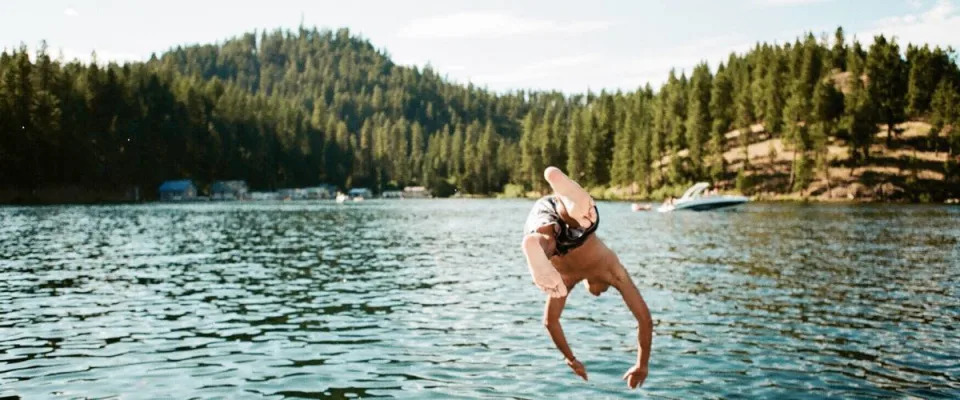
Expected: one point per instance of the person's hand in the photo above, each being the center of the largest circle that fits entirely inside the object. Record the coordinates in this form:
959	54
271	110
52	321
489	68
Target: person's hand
577	368
635	376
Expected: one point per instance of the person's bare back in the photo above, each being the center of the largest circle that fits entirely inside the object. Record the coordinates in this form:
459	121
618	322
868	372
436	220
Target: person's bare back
562	249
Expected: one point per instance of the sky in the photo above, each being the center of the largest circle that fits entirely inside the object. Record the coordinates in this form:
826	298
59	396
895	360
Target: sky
503	45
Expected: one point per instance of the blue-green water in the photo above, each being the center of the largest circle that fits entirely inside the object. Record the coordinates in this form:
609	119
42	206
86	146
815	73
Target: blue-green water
431	299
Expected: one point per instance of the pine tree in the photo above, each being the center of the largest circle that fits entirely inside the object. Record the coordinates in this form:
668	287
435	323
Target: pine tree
838	53
797	136
859	117
744	117
773	94
723	111
642	145
591	155
417	147
487	167
576	156
926	69
722	106
557	147
658	132
19	83
529	151
601	142
623	157
826	110
400	153
470	178
945	111
676	109
363	162
547	141
887	83
456	160
698	123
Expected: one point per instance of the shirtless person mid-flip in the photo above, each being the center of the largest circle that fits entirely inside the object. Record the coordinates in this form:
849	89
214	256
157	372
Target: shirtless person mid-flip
561	250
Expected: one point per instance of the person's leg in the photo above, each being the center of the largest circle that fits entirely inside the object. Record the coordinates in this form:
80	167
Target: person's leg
577	201
536	246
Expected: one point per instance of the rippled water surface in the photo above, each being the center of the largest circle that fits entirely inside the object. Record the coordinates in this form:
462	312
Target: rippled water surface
431	299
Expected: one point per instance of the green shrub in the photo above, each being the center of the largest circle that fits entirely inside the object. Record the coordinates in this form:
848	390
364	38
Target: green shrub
443	188
513	190
743	182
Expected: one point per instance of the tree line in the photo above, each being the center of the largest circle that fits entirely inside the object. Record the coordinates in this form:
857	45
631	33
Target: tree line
298	108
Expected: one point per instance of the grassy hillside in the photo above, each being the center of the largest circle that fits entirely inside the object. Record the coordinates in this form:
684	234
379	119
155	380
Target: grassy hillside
911	169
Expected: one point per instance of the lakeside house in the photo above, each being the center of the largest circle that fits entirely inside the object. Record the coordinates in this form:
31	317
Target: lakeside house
179	190
324	191
320	192
292	194
360	193
416	192
409	192
263	196
392	194
229	190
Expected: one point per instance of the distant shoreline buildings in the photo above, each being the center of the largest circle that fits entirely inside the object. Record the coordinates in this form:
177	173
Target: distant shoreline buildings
185	190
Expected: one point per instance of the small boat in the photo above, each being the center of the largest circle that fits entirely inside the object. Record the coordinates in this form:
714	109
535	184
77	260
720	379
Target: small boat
342	198
694	199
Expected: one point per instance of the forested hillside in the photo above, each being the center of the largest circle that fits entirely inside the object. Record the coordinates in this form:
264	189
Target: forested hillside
284	109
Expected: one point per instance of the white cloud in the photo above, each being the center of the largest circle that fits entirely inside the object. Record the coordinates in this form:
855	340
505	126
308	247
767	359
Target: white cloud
939	25
531	74
578	73
654	66
70	12
492	25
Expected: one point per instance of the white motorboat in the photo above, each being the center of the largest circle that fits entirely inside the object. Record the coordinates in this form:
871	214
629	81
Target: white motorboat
694	199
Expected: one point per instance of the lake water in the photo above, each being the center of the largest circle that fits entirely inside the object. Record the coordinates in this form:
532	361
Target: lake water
431	299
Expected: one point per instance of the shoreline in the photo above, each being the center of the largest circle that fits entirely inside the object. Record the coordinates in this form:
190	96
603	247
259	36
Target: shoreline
75	196
753	199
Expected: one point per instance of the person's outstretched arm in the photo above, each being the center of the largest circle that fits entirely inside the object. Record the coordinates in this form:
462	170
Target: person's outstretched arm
631	296
551	320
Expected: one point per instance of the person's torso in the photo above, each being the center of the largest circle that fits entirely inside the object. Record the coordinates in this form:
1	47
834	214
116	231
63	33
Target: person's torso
592	260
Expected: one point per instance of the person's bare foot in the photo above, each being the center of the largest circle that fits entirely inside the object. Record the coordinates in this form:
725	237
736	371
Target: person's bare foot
544	275
551	285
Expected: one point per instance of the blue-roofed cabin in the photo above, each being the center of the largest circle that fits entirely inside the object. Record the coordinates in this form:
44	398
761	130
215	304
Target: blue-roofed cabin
178	190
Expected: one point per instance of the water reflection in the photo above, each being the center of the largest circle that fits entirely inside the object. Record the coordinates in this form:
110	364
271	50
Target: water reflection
430	299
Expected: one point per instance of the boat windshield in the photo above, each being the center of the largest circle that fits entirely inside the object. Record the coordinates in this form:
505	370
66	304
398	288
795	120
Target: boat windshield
695	190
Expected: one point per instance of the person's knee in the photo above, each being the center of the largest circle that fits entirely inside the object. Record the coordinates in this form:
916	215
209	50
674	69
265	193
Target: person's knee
553	174
531	242
539	242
